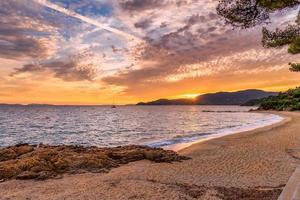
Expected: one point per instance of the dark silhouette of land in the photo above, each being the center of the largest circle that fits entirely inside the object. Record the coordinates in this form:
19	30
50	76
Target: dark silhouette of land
220	98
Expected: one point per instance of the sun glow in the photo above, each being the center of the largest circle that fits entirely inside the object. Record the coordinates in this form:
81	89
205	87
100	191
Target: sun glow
188	96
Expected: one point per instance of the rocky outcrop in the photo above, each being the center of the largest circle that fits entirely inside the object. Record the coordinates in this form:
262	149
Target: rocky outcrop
44	161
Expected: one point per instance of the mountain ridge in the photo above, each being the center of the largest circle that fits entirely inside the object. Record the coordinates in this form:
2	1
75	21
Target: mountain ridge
218	98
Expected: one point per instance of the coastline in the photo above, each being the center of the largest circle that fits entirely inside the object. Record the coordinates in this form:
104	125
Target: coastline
180	147
255	164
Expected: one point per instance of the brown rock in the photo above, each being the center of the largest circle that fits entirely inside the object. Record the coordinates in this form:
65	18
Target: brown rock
31	162
15	151
27	175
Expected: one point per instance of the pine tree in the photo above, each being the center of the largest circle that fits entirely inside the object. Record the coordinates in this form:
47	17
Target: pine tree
250	13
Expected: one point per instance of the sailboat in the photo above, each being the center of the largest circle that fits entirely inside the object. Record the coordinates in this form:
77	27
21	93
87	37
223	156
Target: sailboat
113	105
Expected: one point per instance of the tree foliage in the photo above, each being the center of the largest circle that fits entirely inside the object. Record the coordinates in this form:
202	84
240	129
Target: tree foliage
249	13
289	100
295	67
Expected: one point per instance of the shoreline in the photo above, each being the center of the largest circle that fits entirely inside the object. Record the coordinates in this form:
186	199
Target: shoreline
252	165
179	147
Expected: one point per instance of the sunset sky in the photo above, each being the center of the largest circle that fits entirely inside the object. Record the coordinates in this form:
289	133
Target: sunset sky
100	51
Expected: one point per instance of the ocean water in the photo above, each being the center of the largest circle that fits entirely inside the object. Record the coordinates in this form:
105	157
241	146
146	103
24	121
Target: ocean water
157	126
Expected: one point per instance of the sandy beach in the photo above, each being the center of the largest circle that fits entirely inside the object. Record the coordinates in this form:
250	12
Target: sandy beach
247	164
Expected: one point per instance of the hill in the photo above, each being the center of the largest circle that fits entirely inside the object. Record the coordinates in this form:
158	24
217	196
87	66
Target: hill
289	101
220	98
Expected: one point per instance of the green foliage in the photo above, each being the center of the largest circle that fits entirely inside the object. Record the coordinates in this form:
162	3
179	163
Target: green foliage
296	93
277	4
294	47
242	13
289	100
249	13
295	67
279	38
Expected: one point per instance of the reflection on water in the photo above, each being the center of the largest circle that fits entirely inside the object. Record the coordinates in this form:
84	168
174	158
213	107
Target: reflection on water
103	126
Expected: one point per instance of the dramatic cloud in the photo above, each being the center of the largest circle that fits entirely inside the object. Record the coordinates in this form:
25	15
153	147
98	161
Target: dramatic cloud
195	43
23	35
66	70
181	45
77	67
70	13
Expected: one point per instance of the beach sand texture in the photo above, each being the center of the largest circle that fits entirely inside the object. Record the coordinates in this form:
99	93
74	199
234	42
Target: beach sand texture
254	165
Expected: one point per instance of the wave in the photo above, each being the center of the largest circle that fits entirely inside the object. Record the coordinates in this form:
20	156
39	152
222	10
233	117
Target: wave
218	133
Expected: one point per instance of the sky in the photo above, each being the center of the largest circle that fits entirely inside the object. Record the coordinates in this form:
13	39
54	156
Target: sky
127	51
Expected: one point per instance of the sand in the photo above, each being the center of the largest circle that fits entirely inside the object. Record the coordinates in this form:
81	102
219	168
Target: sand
250	165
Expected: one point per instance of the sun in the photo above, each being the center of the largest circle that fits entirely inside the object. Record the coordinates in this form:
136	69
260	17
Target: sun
188	96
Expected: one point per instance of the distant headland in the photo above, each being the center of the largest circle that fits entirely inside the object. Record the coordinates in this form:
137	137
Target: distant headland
220	98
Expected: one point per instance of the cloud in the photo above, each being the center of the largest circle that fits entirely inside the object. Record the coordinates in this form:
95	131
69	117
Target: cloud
143	24
139	5
67	70
22	46
91	21
24	35
194	43
166	78
89	8
44	40
80	66
182	55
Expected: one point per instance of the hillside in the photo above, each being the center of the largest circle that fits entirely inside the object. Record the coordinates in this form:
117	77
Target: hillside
220	98
289	101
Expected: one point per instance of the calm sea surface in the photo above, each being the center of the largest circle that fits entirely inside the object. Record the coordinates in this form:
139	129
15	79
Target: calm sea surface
158	126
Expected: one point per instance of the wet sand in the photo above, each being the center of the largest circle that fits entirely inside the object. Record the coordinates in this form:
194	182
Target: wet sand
250	165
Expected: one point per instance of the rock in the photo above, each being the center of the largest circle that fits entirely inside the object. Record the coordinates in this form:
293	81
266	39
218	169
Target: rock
27	175
15	151
29	162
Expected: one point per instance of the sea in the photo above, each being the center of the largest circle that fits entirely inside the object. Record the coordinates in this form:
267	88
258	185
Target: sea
103	126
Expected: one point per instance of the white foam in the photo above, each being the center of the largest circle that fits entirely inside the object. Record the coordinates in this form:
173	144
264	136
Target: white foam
224	132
